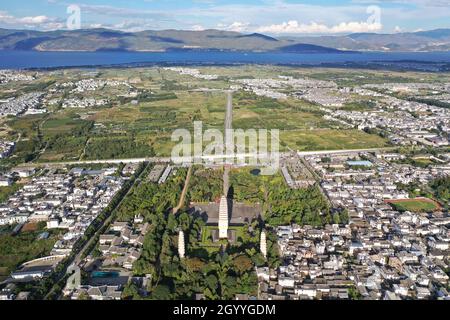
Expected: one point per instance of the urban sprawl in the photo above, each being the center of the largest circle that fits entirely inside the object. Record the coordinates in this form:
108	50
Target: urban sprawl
389	240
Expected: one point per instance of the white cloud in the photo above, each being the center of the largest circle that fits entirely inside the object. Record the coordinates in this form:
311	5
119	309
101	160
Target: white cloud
34	20
266	16
41	22
132	25
235	26
197	27
96	26
293	27
425	3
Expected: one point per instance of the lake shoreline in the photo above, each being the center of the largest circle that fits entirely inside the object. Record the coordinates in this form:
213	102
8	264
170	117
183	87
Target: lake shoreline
39	60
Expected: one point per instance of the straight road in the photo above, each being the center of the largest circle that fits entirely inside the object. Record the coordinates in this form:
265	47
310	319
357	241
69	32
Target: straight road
187	160
105	161
229	111
229	143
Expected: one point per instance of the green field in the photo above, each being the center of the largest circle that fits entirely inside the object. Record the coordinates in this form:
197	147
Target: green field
5	192
415	205
206	240
329	139
15	250
142	125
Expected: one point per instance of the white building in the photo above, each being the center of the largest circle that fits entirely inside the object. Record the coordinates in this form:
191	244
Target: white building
263	244
181	245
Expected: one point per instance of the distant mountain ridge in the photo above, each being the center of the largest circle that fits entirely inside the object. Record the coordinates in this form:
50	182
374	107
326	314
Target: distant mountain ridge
176	40
165	40
421	41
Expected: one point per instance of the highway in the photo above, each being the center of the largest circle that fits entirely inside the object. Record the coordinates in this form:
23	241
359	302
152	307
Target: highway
189	159
319	152
105	161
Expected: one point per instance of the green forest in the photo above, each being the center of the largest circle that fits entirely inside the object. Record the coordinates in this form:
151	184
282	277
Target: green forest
22	247
281	204
219	274
441	189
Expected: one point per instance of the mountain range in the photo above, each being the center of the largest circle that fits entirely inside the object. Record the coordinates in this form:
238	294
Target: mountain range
170	40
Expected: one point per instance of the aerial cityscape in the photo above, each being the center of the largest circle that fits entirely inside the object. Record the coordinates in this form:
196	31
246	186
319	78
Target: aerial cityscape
228	179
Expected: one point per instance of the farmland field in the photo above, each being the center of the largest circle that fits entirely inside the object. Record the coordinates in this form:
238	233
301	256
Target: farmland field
142	125
330	139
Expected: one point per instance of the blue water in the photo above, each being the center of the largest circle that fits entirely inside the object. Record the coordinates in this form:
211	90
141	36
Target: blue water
105	274
33	59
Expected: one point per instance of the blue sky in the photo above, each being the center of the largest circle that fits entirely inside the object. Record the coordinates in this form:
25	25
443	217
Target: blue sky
275	17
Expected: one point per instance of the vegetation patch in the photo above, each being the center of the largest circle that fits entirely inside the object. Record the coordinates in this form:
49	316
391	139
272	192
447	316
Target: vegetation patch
414	205
281	204
328	139
116	148
6	192
25	246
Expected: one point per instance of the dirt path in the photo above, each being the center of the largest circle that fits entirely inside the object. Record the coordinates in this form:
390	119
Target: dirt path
183	194
84	149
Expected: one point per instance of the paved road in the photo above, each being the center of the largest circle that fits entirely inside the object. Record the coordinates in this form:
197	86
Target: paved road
229	143
319	152
226	180
188	160
229	111
105	161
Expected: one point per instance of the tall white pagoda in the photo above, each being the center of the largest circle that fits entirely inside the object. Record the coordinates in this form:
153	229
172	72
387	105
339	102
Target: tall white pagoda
223	218
181	245
263	244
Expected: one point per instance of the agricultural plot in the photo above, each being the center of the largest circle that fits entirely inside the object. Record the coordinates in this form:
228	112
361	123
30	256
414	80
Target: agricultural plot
330	139
142	125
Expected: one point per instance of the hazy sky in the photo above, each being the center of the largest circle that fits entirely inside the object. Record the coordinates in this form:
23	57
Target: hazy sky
276	17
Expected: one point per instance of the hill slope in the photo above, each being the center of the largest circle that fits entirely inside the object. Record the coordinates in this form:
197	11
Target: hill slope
167	40
434	40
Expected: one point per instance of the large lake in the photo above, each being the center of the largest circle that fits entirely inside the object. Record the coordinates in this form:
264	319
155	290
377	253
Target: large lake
33	59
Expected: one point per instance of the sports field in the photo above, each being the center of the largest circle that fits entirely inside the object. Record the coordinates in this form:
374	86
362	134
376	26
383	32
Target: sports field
415	205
